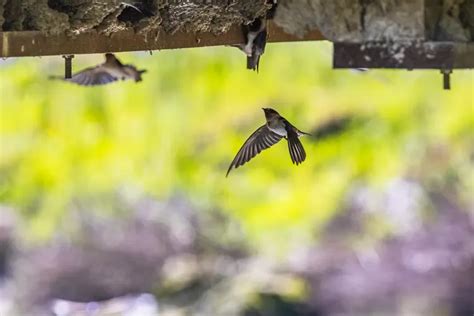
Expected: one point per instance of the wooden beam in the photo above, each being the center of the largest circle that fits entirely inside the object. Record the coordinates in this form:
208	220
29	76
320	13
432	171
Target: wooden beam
28	43
404	55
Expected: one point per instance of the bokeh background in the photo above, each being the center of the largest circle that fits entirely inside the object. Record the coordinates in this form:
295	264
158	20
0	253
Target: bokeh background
117	194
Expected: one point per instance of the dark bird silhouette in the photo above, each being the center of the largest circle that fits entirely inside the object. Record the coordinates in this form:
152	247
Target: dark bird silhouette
110	71
276	128
134	11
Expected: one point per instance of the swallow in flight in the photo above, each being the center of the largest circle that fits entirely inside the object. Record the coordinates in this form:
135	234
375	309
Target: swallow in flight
276	128
109	71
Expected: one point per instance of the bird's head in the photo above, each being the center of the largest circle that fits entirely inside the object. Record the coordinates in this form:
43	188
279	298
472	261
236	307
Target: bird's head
270	113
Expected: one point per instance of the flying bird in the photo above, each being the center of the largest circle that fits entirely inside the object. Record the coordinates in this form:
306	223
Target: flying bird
110	71
276	128
255	35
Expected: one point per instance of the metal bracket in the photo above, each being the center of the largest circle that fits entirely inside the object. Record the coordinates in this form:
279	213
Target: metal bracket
68	66
446	78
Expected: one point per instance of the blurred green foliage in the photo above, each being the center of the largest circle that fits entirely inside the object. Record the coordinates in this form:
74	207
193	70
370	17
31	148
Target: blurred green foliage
176	133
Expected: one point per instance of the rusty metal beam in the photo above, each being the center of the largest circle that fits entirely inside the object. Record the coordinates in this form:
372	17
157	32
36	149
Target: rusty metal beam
21	44
405	55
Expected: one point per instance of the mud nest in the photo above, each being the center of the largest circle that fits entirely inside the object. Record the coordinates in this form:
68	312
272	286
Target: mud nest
338	20
108	16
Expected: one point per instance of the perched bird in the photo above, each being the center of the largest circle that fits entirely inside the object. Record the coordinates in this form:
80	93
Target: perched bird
255	35
276	128
111	70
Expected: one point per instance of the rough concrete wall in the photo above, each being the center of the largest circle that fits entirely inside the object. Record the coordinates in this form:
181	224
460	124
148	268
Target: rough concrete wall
369	20
2	5
107	16
467	16
455	22
338	20
12	14
348	20
39	16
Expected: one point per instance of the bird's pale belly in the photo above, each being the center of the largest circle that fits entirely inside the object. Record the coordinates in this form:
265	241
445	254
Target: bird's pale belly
278	129
118	73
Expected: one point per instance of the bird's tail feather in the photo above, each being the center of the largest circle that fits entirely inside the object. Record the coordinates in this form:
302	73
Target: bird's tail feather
253	62
297	152
304	133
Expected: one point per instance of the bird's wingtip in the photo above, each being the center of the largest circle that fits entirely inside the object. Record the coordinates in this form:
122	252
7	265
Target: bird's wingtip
232	166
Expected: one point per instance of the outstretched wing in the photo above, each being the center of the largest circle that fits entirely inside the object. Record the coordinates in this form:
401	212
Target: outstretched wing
261	139
297	153
92	77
